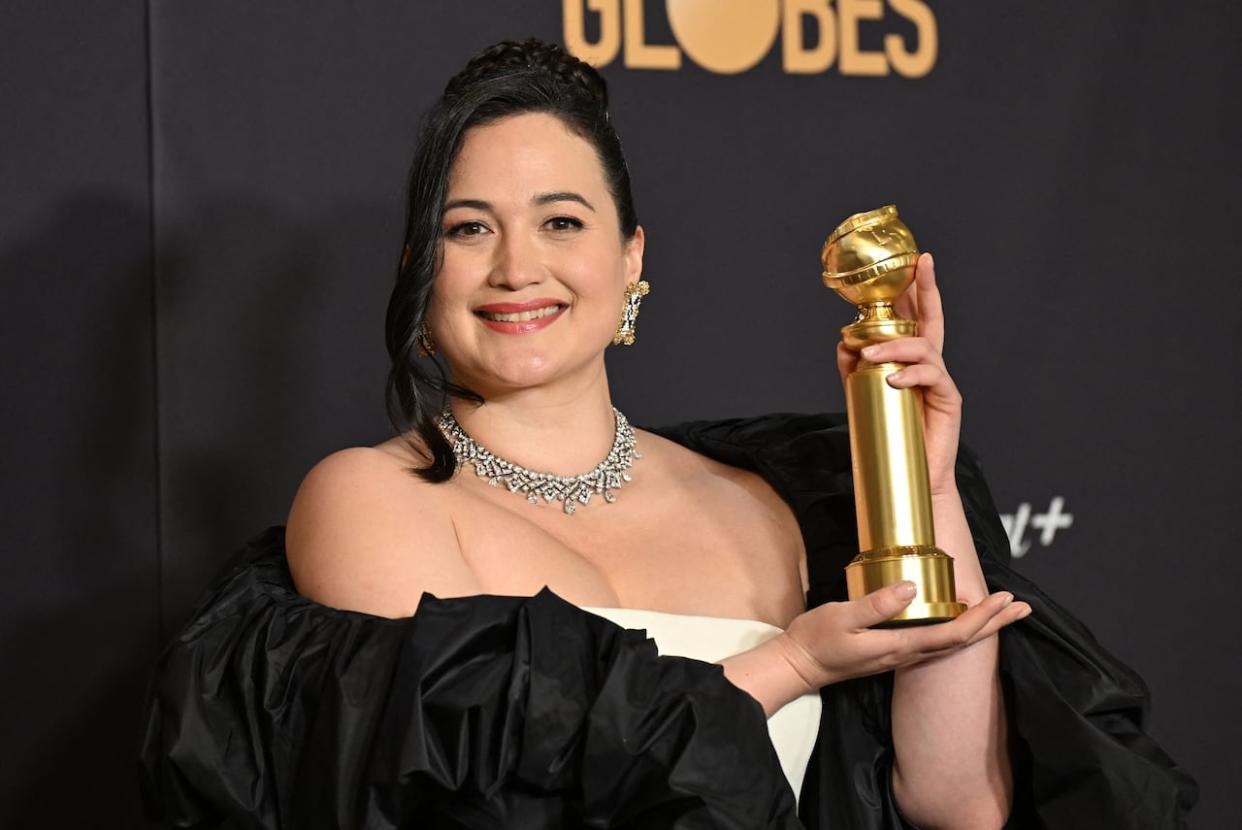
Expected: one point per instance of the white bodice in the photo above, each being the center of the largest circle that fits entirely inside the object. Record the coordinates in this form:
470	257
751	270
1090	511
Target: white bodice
793	728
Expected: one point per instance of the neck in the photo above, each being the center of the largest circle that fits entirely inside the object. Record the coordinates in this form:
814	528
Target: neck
565	430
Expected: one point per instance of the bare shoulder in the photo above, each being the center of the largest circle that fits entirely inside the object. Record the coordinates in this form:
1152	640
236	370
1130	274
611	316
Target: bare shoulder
366	534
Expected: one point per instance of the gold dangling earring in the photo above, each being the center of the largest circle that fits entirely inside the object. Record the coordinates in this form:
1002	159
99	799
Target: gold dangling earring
629	313
426	346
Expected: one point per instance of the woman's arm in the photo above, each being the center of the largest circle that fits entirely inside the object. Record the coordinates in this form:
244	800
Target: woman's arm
948	720
952	765
835	642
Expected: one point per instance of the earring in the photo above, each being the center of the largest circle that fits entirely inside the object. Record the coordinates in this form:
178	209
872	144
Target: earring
629	313
426	346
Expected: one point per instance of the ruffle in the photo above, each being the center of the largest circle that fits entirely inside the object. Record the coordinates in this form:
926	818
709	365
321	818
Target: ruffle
271	711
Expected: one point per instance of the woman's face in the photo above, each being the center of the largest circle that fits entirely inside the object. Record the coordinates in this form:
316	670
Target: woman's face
533	267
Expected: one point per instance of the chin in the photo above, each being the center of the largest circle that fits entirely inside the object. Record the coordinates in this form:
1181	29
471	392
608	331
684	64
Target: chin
526	369
517	371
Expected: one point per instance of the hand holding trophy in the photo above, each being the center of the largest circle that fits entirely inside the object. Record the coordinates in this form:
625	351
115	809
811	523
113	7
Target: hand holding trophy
870	260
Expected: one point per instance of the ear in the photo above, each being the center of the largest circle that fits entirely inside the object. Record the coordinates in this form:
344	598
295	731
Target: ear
634	256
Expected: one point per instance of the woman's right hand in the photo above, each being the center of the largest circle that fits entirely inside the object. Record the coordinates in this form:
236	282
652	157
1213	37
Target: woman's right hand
833	642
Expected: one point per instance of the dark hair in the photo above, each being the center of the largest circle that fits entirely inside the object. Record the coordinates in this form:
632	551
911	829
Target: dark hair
506	79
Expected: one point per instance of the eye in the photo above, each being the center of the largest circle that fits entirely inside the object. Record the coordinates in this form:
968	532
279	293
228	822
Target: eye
464	229
564	223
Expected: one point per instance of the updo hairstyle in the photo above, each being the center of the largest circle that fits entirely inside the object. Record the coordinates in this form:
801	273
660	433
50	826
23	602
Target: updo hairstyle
509	78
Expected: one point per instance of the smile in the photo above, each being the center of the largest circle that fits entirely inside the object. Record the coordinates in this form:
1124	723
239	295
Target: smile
520	318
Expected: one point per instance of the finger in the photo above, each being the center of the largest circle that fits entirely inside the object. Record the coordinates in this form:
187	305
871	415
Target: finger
958	633
932	378
1007	616
904	350
930	309
880	605
1016	610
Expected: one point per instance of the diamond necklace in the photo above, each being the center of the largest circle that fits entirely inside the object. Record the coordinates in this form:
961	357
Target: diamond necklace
610	474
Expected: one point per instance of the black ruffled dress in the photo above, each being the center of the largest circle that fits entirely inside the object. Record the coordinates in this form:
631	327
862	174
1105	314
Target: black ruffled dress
271	711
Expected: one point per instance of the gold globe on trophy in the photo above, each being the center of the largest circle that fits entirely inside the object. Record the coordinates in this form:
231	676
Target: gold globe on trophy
869	260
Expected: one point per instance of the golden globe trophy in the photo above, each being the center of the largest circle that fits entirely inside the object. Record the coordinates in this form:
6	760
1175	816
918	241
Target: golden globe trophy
869	260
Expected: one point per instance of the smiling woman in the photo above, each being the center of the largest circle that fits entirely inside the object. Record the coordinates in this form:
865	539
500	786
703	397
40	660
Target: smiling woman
426	647
533	249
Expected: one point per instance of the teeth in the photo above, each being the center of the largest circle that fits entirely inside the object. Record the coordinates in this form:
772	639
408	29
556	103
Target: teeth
521	316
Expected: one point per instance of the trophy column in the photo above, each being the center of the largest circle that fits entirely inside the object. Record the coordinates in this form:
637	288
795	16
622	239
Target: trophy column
869	260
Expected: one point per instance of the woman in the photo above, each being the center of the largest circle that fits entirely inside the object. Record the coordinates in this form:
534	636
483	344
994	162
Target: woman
448	658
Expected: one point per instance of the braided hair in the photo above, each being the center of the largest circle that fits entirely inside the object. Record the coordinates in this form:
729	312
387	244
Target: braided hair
509	78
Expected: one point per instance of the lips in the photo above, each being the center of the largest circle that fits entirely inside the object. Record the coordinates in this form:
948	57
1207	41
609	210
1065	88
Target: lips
520	318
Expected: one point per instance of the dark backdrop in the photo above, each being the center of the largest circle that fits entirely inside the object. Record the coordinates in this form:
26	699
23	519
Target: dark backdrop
200	216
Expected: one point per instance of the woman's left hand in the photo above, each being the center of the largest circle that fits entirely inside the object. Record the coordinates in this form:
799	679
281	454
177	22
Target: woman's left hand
942	403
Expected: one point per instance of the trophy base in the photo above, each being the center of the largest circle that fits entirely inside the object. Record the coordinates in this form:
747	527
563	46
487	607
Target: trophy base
928	567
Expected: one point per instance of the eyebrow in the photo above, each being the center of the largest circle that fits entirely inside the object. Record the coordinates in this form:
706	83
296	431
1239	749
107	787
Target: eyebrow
541	199
563	196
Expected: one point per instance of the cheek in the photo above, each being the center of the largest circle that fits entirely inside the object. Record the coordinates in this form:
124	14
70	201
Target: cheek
450	293
598	281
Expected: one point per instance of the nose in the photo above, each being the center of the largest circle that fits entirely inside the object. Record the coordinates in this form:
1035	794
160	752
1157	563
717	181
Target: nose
517	263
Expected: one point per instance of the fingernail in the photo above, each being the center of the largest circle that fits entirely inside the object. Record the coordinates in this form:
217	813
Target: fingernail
895	375
1025	613
871	351
906	589
931	260
1008	598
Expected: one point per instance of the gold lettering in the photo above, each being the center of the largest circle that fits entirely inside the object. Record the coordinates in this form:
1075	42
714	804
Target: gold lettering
918	63
854	61
819	57
725	36
602	52
638	53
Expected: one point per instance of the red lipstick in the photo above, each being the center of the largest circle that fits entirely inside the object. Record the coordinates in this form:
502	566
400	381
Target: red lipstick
529	312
